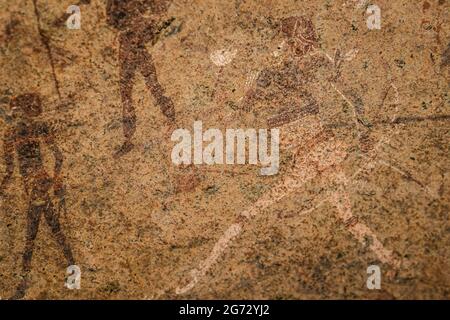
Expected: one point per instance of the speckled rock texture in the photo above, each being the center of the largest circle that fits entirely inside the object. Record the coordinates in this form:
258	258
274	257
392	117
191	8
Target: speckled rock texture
86	118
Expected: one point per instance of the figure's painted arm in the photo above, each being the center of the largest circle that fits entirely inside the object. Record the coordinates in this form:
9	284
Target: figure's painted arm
8	156
59	158
58	184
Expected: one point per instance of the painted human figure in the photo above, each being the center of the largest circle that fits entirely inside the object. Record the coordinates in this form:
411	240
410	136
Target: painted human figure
303	76
134	32
318	150
25	139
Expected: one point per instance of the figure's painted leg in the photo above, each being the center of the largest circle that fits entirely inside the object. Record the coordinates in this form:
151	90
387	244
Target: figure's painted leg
148	70
359	230
127	72
33	218
325	154
53	222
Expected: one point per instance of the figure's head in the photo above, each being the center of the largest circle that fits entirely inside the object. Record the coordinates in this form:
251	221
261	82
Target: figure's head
121	14
300	34
26	105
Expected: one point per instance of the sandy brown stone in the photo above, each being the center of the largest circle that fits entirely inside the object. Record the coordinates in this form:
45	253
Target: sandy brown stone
364	156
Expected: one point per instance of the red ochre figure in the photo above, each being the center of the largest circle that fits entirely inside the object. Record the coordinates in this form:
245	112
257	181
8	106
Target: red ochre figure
25	138
134	32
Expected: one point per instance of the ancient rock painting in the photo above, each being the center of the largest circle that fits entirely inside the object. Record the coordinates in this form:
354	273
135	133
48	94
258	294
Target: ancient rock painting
24	139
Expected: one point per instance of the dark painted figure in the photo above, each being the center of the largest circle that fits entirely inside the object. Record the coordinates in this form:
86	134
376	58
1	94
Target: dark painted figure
134	32
288	82
25	139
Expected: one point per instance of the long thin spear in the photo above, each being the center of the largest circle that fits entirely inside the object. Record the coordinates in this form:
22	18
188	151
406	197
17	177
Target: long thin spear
46	42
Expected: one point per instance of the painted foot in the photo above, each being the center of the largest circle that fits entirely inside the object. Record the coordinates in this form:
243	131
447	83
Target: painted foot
167	107
124	149
20	291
